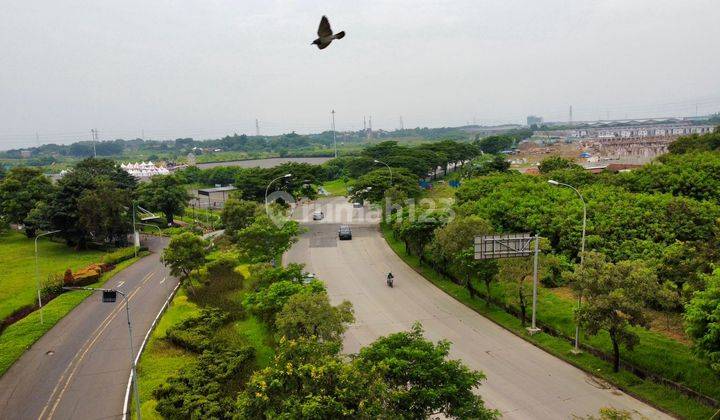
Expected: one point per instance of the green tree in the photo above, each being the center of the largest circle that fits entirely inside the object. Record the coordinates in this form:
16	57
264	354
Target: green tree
517	273
20	191
308	380
185	253
421	381
702	321
416	233
554	163
495	144
679	264
38	219
104	212
452	248
312	315
379	181
615	297
88	174
164	193
264	241
237	215
267	302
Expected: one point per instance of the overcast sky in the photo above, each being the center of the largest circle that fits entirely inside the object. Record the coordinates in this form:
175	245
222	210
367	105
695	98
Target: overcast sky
206	68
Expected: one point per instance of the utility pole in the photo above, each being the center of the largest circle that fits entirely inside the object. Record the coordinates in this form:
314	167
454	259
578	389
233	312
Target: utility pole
94	133
257	127
333	128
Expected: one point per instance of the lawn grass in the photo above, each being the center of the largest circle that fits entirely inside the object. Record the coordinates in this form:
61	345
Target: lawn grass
336	188
18	337
17	259
162	359
660	396
440	190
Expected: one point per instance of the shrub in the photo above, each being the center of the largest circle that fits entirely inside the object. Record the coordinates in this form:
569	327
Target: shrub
206	389
195	334
121	255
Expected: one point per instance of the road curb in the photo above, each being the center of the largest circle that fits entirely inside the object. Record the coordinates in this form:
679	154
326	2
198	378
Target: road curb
126	405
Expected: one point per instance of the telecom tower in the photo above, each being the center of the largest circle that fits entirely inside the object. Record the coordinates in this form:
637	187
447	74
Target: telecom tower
257	127
570	120
94	133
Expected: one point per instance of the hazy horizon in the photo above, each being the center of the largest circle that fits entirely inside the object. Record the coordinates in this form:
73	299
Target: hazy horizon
204	70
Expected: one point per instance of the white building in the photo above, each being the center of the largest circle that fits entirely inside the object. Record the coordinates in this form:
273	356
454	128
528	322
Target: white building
144	170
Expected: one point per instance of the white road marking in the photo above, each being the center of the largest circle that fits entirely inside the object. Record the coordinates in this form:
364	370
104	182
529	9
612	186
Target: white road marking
163	280
120	284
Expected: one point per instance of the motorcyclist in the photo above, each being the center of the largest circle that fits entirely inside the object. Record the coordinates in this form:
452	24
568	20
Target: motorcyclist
390	278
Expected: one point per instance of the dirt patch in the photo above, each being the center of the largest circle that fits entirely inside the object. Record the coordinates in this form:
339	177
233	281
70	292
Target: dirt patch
670	325
564	293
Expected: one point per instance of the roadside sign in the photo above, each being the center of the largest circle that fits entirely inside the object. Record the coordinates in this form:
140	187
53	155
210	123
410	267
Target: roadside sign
109	296
503	246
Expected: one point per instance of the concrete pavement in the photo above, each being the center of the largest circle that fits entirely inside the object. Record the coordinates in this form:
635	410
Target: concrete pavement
80	368
522	381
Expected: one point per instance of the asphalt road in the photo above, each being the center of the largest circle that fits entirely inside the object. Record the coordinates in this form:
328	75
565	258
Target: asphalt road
80	368
523	382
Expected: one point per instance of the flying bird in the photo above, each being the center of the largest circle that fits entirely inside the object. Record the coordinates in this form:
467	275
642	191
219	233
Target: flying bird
325	34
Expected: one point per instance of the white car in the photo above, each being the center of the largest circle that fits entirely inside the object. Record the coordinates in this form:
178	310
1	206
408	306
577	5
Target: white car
357	205
318	215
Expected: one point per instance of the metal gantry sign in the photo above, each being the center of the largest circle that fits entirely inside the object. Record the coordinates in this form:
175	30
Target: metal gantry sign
511	245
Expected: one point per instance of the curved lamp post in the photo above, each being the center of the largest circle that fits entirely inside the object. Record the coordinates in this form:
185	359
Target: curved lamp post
389	169
270	183
37	272
582	252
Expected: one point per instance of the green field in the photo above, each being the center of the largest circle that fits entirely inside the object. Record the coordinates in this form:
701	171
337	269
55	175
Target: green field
17	259
336	187
665	355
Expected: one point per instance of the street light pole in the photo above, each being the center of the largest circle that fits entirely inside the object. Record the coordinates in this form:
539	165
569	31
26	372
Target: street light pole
389	169
133	369
270	183
577	350
37	273
333	127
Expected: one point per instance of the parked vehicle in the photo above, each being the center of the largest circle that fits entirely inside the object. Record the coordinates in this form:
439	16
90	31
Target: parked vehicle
308	277
318	215
344	232
357	205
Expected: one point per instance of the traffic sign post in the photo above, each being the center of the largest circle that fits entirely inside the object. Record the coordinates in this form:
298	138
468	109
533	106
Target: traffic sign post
513	245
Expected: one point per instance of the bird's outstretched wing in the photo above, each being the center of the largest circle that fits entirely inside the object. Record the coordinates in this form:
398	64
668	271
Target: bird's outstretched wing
324	28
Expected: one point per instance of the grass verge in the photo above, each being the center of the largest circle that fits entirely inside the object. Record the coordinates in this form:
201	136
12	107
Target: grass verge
660	396
162	359
18	337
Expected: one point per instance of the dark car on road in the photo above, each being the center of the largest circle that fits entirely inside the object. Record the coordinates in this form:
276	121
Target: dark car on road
344	232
